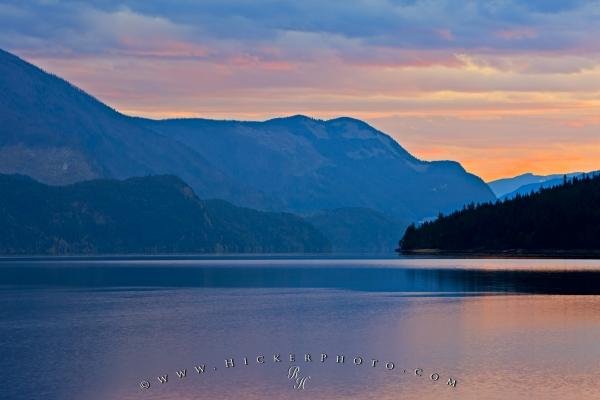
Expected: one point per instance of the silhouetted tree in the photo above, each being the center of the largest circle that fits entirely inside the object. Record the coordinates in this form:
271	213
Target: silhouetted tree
565	217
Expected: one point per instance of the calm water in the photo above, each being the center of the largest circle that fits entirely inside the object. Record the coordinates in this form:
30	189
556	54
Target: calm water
98	328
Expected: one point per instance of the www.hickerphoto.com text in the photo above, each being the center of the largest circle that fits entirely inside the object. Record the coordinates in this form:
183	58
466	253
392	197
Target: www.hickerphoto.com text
293	362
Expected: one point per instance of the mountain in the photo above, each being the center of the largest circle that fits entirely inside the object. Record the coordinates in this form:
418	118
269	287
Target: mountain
564	218
500	187
543	182
307	165
154	214
358	230
506	186
58	134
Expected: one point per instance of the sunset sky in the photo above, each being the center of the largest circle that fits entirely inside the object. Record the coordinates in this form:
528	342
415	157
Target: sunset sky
502	86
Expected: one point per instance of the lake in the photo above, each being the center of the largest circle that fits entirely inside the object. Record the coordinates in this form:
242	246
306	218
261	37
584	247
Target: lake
232	328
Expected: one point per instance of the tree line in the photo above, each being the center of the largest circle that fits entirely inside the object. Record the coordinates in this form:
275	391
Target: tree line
561	218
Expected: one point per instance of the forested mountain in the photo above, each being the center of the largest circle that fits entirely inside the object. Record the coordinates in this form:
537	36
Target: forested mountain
562	218
154	214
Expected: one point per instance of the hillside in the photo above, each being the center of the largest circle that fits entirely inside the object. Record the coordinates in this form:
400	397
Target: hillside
358	230
155	214
308	165
565	218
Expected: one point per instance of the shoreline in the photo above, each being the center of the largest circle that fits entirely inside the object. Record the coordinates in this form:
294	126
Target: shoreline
510	253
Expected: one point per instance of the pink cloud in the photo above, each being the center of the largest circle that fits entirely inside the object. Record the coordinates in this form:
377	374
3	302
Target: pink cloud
160	47
516	33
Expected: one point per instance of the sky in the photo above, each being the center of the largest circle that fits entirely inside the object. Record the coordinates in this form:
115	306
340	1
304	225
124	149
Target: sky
502	86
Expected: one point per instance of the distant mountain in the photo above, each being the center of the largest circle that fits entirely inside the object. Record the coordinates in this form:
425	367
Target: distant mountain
506	186
564	218
155	214
310	165
544	182
358	230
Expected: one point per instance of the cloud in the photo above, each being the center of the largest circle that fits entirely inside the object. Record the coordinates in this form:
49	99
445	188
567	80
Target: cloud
379	25
470	66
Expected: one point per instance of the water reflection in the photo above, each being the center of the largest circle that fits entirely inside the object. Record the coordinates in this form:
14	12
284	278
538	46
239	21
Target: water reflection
98	341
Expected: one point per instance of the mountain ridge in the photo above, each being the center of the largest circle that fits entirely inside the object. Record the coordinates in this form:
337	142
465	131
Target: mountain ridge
504	186
540	182
58	133
309	150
